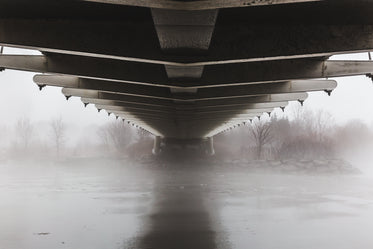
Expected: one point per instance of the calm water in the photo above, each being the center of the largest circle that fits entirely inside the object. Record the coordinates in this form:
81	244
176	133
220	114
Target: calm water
110	205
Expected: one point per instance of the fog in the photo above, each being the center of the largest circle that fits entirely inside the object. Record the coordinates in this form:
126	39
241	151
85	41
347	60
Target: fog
71	177
118	204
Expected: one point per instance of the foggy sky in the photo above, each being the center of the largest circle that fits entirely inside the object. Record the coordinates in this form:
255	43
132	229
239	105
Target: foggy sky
20	97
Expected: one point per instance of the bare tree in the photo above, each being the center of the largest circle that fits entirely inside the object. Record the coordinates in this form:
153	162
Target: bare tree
322	122
24	131
57	133
307	134
117	134
103	134
260	131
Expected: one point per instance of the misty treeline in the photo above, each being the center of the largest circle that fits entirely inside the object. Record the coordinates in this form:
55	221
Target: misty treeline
299	133
57	139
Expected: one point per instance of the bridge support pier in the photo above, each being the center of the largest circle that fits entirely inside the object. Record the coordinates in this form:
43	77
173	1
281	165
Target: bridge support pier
157	145
210	146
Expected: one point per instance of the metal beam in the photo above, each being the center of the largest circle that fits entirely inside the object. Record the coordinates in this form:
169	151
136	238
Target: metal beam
101	101
92	94
202	94
198	5
105	86
263	89
96	95
139	122
255	99
276	71
186	114
199	120
270	42
227	125
213	76
53	37
197	117
229	43
87	101
88	67
192	128
114	108
183	107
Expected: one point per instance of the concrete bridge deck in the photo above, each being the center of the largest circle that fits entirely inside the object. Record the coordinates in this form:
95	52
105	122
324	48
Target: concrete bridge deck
187	70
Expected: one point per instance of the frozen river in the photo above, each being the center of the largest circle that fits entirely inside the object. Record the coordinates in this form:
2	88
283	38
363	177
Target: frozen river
109	205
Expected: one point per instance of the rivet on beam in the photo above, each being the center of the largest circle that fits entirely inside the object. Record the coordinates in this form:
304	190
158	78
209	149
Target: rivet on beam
370	76
41	87
329	92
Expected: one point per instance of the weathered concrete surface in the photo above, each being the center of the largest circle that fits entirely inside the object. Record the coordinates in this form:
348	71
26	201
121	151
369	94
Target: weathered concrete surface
173	53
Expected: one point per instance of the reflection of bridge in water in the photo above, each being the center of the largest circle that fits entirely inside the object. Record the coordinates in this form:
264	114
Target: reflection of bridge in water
181	215
187	70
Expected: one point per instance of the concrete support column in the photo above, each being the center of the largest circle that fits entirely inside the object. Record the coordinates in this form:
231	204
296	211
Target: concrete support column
157	145
210	146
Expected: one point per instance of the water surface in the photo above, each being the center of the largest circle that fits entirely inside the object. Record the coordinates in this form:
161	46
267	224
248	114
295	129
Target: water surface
125	205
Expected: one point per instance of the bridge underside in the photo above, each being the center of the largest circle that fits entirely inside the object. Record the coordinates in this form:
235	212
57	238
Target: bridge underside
187	70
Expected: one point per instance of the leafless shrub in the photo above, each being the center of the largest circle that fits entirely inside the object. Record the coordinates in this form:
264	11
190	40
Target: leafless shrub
24	131
57	133
260	131
116	134
307	135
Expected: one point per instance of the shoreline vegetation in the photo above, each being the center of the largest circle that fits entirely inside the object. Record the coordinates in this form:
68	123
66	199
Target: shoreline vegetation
286	166
297	141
